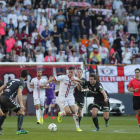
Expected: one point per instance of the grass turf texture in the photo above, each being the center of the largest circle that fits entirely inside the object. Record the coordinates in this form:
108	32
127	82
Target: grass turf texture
120	128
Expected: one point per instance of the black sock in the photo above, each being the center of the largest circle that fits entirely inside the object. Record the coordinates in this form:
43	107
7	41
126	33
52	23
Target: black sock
20	120
52	111
95	121
106	120
2	118
80	120
46	110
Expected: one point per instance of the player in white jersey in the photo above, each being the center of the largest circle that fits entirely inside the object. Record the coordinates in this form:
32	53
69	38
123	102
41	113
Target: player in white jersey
38	95
66	98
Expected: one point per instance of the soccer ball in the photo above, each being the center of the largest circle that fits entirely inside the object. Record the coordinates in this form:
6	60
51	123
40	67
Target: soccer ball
52	127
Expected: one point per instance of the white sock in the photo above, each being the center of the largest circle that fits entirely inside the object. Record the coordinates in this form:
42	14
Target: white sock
62	113
41	113
38	115
76	120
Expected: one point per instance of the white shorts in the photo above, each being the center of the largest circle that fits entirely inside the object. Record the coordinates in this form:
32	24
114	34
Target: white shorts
66	101
39	101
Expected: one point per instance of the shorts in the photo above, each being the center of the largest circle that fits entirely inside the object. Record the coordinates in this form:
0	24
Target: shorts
66	101
50	101
136	102
79	102
39	101
8	103
103	106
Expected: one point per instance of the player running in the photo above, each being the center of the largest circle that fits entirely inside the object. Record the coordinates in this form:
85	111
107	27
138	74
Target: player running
79	96
12	89
38	95
101	99
66	98
50	99
1	113
134	86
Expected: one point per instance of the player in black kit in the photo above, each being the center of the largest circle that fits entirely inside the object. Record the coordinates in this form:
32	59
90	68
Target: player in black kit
12	89
79	96
101	99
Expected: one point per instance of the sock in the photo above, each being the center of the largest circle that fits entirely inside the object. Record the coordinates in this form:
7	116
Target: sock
52	111
62	114
46	110
76	120
80	120
20	120
95	121
38	115
106	120
2	120
41	113
138	118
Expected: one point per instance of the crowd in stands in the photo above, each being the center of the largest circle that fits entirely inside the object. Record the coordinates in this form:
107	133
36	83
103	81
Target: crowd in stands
102	32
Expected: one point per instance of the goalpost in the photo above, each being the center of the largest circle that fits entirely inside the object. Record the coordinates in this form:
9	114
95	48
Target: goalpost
12	70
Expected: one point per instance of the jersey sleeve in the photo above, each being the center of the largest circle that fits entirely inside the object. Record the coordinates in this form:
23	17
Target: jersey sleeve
22	85
32	82
130	84
85	84
59	78
100	87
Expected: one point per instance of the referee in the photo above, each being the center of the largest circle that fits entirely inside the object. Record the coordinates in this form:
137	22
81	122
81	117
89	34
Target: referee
134	86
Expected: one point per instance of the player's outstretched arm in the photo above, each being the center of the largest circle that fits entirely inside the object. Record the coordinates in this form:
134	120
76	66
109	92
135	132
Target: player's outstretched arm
49	81
77	80
105	96
2	87
20	98
46	87
132	90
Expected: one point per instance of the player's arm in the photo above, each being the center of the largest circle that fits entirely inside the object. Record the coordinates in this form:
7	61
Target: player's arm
2	87
130	85
104	94
78	86
46	87
49	81
20	97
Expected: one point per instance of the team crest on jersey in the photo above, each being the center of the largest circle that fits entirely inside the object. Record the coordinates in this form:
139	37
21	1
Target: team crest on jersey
95	89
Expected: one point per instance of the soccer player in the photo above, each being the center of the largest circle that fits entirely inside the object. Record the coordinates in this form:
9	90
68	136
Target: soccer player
1	113
38	95
134	86
12	89
50	99
79	96
101	99
66	98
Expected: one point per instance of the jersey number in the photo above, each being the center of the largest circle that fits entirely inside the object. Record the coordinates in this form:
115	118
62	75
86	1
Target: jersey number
10	84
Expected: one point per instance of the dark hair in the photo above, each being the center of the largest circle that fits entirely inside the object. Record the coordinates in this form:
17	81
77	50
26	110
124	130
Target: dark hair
93	75
137	69
24	73
80	69
71	68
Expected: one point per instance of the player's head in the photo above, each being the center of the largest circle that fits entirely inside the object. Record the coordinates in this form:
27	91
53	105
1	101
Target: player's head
24	74
92	78
137	72
79	72
50	77
71	71
39	73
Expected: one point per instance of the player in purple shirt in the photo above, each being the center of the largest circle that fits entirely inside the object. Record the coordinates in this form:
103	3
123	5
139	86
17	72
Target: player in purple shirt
50	99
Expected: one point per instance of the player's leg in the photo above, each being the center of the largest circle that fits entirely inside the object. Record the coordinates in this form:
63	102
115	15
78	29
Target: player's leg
138	116
94	116
79	114
106	118
41	110
52	108
1	113
37	106
48	101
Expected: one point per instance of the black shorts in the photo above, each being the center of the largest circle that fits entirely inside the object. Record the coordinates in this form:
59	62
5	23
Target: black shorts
136	102
7	103
79	102
102	106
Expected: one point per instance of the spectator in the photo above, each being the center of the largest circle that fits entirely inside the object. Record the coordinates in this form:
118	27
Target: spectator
39	57
104	53
30	57
75	19
106	41
29	50
13	17
73	58
14	56
89	49
85	41
121	32
53	49
60	20
117	4
16	48
127	56
66	37
2	30
95	57
27	27
16	34
114	59
111	32
82	52
61	57
55	36
7	58
34	36
120	11
118	26
41	10
50	12
130	17
102	29
86	24
49	57
51	23
24	36
40	27
10	28
32	21
40	48
134	50
21	20
3	18
9	43
70	49
41	18
126	4
136	59
46	35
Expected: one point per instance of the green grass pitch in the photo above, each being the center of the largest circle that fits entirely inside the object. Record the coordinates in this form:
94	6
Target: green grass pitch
120	128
